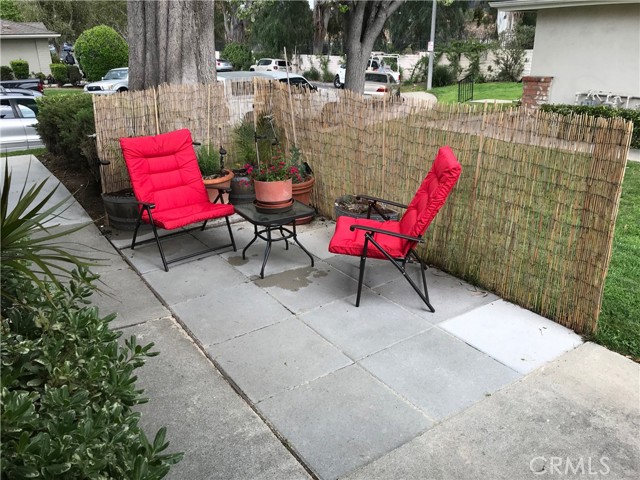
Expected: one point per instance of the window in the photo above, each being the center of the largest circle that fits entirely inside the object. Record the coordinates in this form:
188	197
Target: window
27	106
264	61
282	63
5	110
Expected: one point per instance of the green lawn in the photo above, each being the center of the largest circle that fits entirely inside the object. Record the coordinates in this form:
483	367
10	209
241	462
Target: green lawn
481	91
619	324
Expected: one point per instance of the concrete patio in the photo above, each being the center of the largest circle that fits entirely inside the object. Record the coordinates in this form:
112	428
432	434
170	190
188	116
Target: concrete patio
283	377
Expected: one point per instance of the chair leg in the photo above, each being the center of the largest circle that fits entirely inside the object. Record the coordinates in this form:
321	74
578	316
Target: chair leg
233	242
155	234
135	232
363	259
423	267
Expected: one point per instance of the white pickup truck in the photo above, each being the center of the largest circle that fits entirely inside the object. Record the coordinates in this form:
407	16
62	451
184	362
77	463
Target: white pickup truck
378	62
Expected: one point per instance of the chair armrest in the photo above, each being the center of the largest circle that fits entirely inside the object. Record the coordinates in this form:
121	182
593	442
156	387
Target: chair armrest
146	204
381	200
387	232
220	189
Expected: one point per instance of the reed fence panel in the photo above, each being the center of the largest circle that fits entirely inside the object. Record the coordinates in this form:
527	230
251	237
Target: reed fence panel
531	219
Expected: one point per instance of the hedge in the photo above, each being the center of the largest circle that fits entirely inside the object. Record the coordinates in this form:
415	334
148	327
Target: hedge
6	73
600	111
59	72
100	49
20	69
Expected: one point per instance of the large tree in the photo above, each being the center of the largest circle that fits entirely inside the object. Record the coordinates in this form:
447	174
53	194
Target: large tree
364	21
170	41
321	17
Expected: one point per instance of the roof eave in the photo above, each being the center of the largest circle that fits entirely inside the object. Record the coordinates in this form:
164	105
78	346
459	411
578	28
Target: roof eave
518	5
22	36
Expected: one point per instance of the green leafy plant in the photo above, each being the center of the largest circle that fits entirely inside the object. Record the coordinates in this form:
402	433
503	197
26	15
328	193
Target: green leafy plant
6	73
312	74
39	75
209	161
59	72
238	54
67	388
20	68
602	111
100	49
65	123
281	166
73	74
509	58
327	76
442	76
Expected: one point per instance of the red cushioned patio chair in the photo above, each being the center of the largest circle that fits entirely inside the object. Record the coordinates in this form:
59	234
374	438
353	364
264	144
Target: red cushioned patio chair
169	189
396	240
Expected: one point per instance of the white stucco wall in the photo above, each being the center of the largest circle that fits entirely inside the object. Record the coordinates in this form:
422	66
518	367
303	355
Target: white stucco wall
588	48
34	51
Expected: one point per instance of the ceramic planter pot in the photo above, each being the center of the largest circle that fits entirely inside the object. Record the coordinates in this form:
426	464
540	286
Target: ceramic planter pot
274	196
223	182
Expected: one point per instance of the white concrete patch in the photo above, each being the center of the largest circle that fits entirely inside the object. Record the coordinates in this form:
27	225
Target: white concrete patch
512	335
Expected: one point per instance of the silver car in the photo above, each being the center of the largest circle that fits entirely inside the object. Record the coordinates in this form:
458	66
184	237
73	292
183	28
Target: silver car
18	121
223	65
116	80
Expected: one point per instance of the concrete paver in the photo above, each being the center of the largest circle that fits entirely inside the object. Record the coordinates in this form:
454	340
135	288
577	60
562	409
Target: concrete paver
343	420
577	417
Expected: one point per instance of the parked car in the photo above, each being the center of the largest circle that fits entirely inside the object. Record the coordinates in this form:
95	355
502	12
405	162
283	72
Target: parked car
116	80
18	112
223	65
293	79
270	65
378	62
34	84
380	84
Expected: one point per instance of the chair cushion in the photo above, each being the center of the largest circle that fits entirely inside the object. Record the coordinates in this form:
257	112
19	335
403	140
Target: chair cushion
346	242
164	171
181	216
431	194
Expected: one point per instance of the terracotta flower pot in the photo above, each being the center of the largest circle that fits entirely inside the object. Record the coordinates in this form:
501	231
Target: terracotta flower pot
274	196
223	182
302	193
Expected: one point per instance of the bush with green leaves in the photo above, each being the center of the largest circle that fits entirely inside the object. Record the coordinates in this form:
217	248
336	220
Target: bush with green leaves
39	75
509	58
64	124
442	76
100	49
6	73
68	390
20	69
73	73
312	74
59	72
600	111
238	54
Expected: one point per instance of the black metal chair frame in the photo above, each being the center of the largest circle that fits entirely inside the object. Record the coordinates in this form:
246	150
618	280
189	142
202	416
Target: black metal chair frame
398	262
145	206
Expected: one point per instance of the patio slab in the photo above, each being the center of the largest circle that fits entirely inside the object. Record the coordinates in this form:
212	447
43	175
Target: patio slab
128	296
303	289
226	313
376	272
513	335
439	373
220	435
278	357
343	420
449	295
361	331
197	278
575	418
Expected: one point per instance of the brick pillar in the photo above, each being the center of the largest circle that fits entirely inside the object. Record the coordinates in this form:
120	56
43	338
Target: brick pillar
535	91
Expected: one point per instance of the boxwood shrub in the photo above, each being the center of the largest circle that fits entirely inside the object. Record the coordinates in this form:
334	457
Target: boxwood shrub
600	111
64	124
20	69
100	49
6	73
59	72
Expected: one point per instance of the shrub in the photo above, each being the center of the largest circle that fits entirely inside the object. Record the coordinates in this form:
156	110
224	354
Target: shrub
238	54
40	76
509	59
327	76
313	74
55	58
64	123
100	49
68	388
73	73
20	68
600	111
59	72
442	76
6	73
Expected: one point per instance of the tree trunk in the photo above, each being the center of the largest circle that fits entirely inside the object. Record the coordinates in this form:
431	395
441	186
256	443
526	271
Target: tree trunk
234	27
364	21
170	41
321	15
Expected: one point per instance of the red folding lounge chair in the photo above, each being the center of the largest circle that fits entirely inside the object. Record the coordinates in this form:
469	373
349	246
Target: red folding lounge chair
396	240
169	189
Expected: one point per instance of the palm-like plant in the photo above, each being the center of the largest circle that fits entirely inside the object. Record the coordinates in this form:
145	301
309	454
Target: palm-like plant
27	245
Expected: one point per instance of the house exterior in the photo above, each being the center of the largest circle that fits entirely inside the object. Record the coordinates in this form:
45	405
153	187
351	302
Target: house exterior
582	46
26	41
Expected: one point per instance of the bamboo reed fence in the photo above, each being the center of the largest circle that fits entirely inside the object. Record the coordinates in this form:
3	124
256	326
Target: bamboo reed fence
531	219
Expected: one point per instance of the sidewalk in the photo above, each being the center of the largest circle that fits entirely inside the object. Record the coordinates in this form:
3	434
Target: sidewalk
284	378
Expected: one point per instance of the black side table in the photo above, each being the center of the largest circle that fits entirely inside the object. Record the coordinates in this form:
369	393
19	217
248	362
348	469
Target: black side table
270	222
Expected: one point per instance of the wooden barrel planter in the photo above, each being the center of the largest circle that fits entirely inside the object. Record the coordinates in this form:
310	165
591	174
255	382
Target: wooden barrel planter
121	209
348	206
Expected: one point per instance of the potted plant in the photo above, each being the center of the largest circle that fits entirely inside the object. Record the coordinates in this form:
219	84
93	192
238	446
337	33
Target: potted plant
214	174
